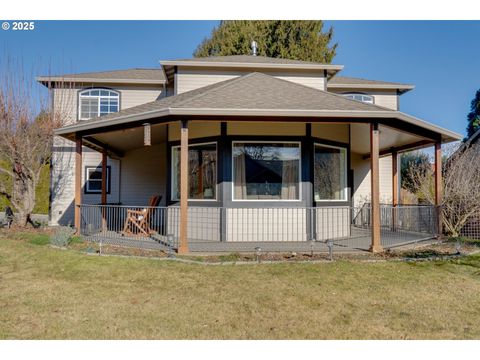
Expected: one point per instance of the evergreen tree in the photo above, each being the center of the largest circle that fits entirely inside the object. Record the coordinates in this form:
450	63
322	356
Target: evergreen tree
474	115
286	39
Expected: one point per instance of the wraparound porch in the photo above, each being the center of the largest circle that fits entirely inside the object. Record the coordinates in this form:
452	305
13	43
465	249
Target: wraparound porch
344	229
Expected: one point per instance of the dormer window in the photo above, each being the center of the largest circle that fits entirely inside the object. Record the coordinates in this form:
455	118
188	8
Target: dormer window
97	102
360	97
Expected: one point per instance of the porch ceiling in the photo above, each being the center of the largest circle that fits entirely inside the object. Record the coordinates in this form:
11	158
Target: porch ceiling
129	139
389	138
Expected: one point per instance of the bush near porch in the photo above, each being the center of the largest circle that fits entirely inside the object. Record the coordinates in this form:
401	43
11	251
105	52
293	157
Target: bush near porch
49	293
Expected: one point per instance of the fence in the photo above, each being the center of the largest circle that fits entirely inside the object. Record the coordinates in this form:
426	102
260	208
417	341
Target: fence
244	229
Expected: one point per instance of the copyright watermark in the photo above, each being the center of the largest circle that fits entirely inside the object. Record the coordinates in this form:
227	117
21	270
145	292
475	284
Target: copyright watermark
18	25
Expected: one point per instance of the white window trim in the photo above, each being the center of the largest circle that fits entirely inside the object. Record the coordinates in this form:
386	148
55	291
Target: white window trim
82	96
87	180
345	190
268	142
172	198
361	94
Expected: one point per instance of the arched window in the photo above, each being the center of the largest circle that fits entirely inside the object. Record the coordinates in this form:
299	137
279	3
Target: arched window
360	97
97	102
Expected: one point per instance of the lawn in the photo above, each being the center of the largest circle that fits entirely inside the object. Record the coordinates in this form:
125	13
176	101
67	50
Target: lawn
48	293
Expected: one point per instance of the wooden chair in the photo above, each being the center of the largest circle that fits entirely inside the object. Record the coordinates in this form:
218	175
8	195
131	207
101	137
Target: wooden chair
138	221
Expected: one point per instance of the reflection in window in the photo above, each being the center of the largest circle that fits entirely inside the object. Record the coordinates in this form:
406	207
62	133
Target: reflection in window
330	173
266	171
202	172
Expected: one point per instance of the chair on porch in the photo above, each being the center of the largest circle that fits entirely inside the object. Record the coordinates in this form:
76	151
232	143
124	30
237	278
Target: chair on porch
137	222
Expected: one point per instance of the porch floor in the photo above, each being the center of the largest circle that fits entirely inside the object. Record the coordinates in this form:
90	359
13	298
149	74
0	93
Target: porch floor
359	241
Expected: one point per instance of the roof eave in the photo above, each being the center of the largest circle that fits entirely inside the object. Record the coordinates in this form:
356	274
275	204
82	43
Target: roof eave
57	79
402	88
446	135
251	65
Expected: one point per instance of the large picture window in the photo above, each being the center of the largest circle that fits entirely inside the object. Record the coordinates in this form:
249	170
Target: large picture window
266	171
97	102
202	172
330	173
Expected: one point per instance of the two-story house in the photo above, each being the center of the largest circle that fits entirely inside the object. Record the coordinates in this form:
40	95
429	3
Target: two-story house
255	150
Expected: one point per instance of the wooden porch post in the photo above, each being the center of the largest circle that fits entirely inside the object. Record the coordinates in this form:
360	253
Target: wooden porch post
104	188
78	181
183	243
376	245
394	188
438	186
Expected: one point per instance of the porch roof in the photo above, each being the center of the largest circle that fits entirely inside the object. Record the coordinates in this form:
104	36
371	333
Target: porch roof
254	96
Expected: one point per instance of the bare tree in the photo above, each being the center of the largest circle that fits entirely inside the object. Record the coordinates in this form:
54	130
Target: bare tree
461	186
26	133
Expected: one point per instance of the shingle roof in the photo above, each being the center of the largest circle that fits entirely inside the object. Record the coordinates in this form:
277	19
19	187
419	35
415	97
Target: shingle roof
254	94
252	91
344	81
247	59
128	75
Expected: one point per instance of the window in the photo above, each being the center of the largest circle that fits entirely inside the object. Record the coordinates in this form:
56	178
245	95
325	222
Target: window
202	172
330	173
360	97
266	171
93	182
97	102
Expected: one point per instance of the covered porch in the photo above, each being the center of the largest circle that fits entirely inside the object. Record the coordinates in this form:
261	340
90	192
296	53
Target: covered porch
297	170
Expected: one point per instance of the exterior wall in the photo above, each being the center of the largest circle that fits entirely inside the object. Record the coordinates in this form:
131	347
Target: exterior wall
188	79
265	129
361	179
65	101
266	224
62	184
385	98
143	174
195	130
332	223
333	132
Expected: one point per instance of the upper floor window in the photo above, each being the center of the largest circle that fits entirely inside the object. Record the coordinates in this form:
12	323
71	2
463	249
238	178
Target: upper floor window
360	97
98	102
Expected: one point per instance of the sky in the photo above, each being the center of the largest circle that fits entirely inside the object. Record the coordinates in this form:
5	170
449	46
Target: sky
439	57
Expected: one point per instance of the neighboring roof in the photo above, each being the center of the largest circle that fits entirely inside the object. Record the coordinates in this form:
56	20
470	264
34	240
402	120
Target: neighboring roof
254	94
137	76
250	61
343	82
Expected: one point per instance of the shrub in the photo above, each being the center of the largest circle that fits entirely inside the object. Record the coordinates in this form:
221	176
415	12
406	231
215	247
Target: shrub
63	236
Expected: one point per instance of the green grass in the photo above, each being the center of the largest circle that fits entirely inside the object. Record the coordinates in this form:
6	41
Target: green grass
47	293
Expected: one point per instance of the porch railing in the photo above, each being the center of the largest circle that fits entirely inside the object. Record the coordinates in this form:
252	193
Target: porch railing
210	228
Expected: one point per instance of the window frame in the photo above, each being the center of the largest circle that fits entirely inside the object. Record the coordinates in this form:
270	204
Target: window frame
80	96
97	168
361	94
345	190
172	173
267	142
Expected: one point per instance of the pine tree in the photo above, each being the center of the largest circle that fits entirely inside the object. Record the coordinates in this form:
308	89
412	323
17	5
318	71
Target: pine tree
474	115
287	39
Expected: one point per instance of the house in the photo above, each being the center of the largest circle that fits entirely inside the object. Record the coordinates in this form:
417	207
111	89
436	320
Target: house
267	150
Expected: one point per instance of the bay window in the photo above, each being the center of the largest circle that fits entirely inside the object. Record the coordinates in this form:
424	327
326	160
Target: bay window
330	173
266	170
202	172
